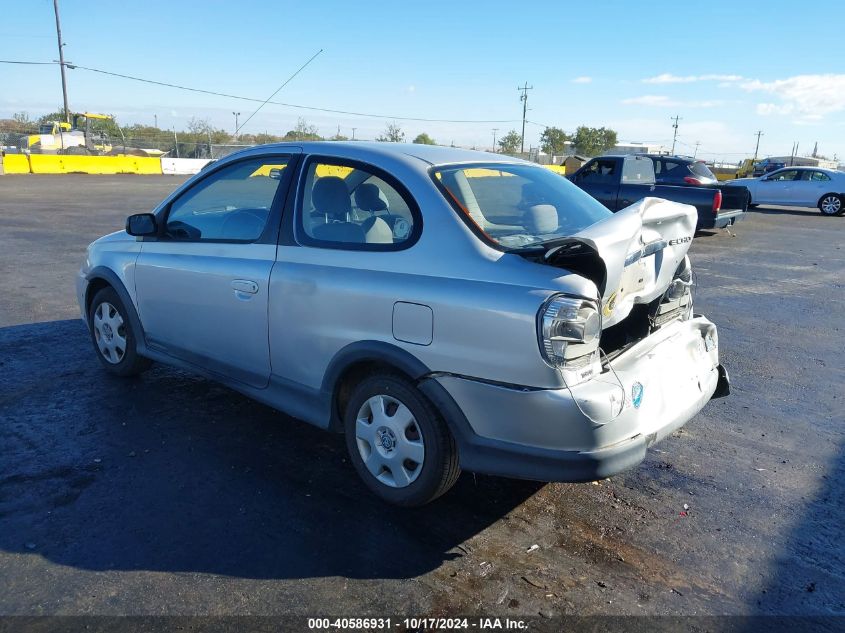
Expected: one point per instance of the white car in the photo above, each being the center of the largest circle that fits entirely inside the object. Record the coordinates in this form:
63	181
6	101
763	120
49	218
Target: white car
798	187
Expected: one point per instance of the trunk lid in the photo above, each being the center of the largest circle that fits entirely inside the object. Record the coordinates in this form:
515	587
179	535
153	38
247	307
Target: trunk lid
632	256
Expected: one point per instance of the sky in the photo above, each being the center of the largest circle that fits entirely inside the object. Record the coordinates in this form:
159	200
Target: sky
727	69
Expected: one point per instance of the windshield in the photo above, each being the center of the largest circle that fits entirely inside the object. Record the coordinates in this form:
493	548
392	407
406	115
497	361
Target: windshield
518	205
702	171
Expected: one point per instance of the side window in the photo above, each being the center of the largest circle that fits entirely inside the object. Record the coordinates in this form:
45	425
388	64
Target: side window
353	207
786	174
819	176
231	204
638	170
599	171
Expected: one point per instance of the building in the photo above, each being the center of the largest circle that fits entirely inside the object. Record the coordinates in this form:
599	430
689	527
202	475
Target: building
638	148
804	161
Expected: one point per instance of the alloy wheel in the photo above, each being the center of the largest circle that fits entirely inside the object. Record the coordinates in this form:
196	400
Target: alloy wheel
831	205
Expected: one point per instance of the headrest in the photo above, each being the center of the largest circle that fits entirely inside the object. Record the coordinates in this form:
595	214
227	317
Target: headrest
540	219
368	198
330	196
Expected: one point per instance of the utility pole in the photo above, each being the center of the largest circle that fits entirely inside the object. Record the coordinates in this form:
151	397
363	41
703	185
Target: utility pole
237	114
61	60
155	118
495	129
524	99
759	133
353	133
676	118
695	153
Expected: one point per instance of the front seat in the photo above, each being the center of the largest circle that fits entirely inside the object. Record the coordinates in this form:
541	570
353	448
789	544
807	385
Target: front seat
332	209
369	198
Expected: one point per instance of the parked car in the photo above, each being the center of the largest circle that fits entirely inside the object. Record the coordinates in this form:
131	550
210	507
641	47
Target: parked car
445	309
619	181
679	170
798	187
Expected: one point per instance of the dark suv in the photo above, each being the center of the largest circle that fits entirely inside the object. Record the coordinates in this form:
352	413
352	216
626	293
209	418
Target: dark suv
677	170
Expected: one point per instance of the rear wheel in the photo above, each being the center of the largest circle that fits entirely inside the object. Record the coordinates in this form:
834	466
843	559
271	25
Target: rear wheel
831	204
113	336
398	443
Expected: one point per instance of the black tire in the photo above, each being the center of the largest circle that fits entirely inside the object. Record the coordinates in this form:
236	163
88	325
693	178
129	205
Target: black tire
440	467
831	205
125	363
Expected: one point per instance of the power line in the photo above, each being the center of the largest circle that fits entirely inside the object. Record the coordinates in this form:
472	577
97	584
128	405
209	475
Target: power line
254	100
17	61
287	81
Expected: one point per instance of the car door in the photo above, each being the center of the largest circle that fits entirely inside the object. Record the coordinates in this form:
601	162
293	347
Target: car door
776	188
335	281
808	191
599	179
202	284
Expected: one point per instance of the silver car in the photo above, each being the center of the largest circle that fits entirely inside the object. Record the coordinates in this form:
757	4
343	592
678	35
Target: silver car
445	309
798	187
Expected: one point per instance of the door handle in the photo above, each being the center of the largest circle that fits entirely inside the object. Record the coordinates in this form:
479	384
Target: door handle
245	285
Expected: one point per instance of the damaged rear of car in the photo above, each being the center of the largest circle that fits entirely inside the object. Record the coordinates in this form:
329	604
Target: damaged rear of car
633	359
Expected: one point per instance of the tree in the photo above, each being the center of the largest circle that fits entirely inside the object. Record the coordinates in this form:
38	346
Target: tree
392	134
592	141
58	115
510	142
553	140
303	131
198	126
424	139
22	118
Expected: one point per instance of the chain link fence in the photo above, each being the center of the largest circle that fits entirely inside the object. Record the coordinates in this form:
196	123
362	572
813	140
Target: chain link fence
30	139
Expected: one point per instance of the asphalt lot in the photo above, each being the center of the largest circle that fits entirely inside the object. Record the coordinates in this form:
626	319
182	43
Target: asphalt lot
170	494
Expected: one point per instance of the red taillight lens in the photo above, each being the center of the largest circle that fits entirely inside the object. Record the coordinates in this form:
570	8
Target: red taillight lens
692	181
717	202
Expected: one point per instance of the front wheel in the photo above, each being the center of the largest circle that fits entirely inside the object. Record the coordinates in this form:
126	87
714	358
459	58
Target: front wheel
831	204
113	336
398	442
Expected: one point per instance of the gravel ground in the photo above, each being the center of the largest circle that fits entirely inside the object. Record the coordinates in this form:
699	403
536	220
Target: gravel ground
170	494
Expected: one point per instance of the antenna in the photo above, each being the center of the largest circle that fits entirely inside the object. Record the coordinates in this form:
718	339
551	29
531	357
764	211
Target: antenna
287	81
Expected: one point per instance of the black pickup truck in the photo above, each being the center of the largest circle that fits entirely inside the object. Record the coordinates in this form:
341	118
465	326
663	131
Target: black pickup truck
620	181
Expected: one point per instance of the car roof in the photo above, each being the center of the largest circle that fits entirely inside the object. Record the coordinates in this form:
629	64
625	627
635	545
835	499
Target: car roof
809	168
368	150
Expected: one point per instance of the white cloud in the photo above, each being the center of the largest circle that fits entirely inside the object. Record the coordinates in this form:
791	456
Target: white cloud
811	97
668	78
766	109
662	101
412	88
582	80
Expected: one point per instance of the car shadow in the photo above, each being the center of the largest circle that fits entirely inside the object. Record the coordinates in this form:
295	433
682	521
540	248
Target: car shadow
172	472
784	211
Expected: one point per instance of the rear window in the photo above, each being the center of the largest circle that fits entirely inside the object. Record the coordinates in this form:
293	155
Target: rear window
517	205
701	170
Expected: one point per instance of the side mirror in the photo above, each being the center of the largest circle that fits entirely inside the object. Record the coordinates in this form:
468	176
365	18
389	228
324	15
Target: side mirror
141	224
